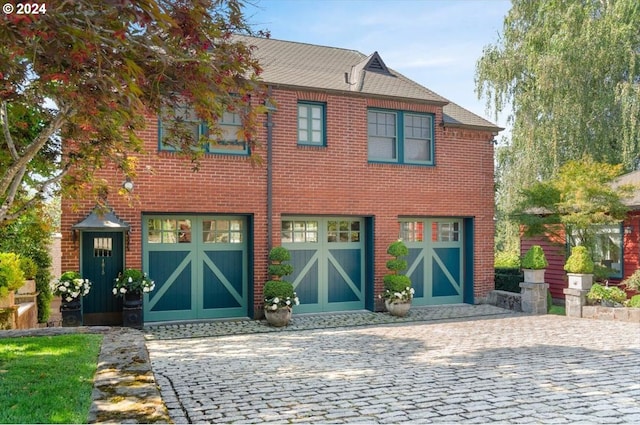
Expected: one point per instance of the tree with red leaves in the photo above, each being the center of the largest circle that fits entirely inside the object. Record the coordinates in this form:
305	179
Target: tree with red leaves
88	72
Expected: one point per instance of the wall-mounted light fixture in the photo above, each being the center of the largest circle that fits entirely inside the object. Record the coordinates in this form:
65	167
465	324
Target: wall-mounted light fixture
127	184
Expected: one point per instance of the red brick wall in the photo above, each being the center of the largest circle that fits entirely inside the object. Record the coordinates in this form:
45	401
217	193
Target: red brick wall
332	180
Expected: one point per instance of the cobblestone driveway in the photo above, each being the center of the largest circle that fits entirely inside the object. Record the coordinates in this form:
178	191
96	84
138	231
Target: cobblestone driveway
517	369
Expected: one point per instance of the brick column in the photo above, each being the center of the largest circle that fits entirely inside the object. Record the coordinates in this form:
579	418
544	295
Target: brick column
534	297
575	299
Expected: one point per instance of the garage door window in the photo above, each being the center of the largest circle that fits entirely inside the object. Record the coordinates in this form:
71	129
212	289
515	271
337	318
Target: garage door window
445	231
343	231
222	231
168	231
412	231
299	231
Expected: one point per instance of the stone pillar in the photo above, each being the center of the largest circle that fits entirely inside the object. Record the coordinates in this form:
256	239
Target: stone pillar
534	297
575	299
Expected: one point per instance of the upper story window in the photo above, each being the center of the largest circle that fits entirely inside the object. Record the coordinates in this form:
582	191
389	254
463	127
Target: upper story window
311	124
229	140
400	137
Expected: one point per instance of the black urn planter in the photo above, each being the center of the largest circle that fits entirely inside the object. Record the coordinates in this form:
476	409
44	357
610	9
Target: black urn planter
71	312
132	313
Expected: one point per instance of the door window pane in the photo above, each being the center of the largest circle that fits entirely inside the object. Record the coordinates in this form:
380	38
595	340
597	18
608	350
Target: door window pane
102	247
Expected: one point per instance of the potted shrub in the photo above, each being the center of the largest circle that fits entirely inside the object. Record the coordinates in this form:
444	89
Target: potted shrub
608	296
71	287
632	283
11	278
279	296
534	264
579	268
398	292
29	269
131	284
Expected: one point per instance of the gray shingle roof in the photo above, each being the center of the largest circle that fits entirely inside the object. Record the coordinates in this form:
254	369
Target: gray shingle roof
301	65
632	178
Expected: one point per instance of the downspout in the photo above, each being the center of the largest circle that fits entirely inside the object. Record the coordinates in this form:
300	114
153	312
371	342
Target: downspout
269	171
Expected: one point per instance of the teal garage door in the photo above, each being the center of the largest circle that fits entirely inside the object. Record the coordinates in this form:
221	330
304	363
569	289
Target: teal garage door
435	259
199	265
327	255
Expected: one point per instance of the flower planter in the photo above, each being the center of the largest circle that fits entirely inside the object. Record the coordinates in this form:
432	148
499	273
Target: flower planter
29	287
534	275
580	281
399	309
8	301
279	317
71	312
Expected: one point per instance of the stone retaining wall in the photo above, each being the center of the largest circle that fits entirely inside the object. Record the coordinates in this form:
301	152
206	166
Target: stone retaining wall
621	314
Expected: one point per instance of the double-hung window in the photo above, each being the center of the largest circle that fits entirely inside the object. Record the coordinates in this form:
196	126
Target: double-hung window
311	124
400	137
229	140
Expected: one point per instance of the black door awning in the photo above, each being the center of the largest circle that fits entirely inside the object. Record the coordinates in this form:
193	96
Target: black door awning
102	218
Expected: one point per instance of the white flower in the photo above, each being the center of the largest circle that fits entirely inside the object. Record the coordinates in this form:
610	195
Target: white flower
288	302
412	291
397	295
68	299
152	287
63	289
276	300
145	289
130	279
123	290
115	291
296	300
66	283
274	307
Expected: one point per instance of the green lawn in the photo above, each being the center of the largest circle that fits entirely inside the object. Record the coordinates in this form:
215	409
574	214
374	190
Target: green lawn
557	309
47	379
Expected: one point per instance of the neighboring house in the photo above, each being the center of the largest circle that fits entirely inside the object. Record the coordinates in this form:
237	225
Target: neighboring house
355	156
616	248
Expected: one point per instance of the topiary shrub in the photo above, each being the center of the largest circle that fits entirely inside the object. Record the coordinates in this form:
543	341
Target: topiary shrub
534	259
579	261
279	293
279	254
397	287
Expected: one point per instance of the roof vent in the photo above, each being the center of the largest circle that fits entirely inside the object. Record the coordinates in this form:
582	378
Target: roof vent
376	64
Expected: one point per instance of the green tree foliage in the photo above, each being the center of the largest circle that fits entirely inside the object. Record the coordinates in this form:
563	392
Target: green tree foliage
30	237
88	72
568	74
582	194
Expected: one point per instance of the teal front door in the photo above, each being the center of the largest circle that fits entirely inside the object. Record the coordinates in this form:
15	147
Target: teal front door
435	260
199	265
102	258
327	255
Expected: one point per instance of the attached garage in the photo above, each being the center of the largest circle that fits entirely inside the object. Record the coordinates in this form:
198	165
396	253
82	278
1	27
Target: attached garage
437	264
328	256
200	266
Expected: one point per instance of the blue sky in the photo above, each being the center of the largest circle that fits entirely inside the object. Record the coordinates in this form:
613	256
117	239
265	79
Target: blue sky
434	42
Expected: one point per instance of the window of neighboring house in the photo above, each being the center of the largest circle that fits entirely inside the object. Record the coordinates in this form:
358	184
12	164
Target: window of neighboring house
311	124
228	141
608	248
400	137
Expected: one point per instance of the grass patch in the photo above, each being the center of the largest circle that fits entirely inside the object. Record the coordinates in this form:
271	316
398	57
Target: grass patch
557	309
47	379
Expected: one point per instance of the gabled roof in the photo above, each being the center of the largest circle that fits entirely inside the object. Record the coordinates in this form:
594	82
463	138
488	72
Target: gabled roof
632	178
308	66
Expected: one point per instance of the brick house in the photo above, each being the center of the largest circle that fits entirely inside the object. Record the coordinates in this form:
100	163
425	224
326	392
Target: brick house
355	157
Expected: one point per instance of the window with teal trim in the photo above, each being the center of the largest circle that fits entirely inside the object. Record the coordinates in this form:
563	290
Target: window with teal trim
311	124
607	248
228	140
400	137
